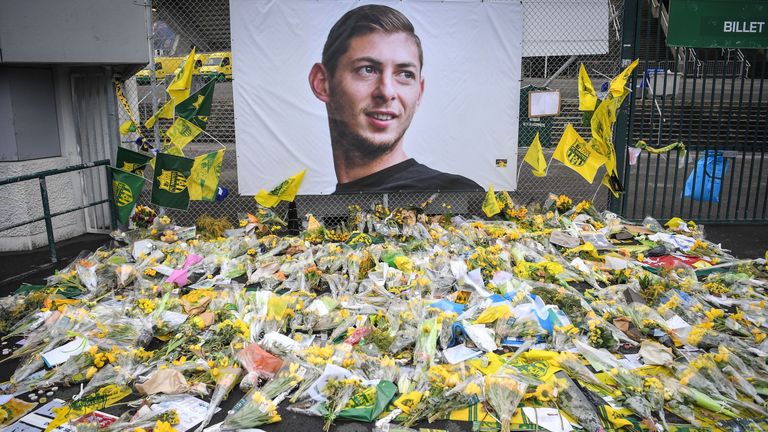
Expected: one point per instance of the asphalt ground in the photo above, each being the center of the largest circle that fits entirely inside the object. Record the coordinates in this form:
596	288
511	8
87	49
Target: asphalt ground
744	241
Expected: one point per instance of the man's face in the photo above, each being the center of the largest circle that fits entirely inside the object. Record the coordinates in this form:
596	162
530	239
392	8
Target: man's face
375	91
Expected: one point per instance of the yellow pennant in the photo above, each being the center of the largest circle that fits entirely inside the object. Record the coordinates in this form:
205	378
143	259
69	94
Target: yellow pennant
620	81
182	82
166	112
535	158
587	95
285	191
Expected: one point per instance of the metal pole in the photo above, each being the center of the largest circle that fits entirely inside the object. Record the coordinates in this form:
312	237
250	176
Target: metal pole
112	204
623	131
561	70
48	222
152	77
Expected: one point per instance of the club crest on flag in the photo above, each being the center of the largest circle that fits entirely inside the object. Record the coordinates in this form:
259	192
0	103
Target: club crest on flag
122	192
577	154
172	181
184	129
132	167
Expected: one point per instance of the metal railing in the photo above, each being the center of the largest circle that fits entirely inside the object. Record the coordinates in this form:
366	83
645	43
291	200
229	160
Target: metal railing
47	215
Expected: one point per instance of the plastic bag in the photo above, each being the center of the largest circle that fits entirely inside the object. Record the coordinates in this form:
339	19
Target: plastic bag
705	181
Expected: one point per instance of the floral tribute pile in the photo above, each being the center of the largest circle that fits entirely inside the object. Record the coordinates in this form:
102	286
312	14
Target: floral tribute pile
551	318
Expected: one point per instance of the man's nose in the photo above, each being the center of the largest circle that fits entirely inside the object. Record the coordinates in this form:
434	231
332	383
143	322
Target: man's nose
385	88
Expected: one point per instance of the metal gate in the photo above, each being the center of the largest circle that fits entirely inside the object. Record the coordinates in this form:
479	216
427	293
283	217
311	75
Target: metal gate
714	101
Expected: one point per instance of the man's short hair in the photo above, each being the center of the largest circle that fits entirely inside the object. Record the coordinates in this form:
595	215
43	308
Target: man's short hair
362	21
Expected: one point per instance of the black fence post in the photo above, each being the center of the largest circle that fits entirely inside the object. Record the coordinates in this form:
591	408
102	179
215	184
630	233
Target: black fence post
629	50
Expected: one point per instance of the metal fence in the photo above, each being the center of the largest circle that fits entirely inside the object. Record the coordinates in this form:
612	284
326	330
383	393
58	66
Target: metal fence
716	102
177	25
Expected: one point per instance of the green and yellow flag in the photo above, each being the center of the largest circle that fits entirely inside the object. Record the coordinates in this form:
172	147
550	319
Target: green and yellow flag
104	397
131	161
620	81
587	95
205	176
170	182
182	82
182	132
577	155
126	188
166	112
535	158
491	205
285	191
197	107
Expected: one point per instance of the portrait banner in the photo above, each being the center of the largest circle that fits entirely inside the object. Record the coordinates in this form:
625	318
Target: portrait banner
435	112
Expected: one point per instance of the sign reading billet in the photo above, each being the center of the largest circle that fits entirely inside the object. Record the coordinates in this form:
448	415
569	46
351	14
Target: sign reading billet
718	23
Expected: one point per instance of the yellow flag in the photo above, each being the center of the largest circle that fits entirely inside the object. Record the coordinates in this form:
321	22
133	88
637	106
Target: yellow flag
126	126
620	81
577	155
166	112
491	205
285	191
587	95
182	132
612	182
179	87
204	179
535	158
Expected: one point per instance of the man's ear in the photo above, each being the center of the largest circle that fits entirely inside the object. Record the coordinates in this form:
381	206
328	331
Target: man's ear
421	92
319	82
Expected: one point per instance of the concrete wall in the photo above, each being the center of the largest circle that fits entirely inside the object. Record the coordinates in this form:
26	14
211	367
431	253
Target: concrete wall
21	201
73	31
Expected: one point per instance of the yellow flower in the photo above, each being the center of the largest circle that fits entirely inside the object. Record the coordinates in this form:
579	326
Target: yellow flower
714	313
90	372
146	305
545	392
198	322
161	426
180	361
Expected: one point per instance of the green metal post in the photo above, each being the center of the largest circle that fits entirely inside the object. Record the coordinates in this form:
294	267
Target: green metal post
112	205
48	221
624	118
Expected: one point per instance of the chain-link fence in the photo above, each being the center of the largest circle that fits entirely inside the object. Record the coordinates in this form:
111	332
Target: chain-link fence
551	59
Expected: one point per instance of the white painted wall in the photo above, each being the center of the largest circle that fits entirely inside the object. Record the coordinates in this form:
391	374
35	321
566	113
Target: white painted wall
22	201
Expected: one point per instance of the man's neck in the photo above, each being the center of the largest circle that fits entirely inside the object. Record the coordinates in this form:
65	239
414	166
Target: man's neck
349	167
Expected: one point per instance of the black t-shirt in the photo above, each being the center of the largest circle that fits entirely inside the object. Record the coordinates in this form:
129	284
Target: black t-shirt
409	175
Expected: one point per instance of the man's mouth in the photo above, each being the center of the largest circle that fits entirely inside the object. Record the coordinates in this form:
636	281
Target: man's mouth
382	116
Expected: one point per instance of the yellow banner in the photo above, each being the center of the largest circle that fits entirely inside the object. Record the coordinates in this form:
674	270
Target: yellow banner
102	398
124	102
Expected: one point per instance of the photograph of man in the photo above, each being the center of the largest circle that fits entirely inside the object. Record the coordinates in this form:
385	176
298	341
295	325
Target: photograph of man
370	81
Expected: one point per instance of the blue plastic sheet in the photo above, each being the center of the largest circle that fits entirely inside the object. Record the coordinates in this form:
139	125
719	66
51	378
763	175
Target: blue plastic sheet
705	181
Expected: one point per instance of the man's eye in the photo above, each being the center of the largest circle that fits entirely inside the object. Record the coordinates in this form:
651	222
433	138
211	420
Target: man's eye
408	75
366	70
